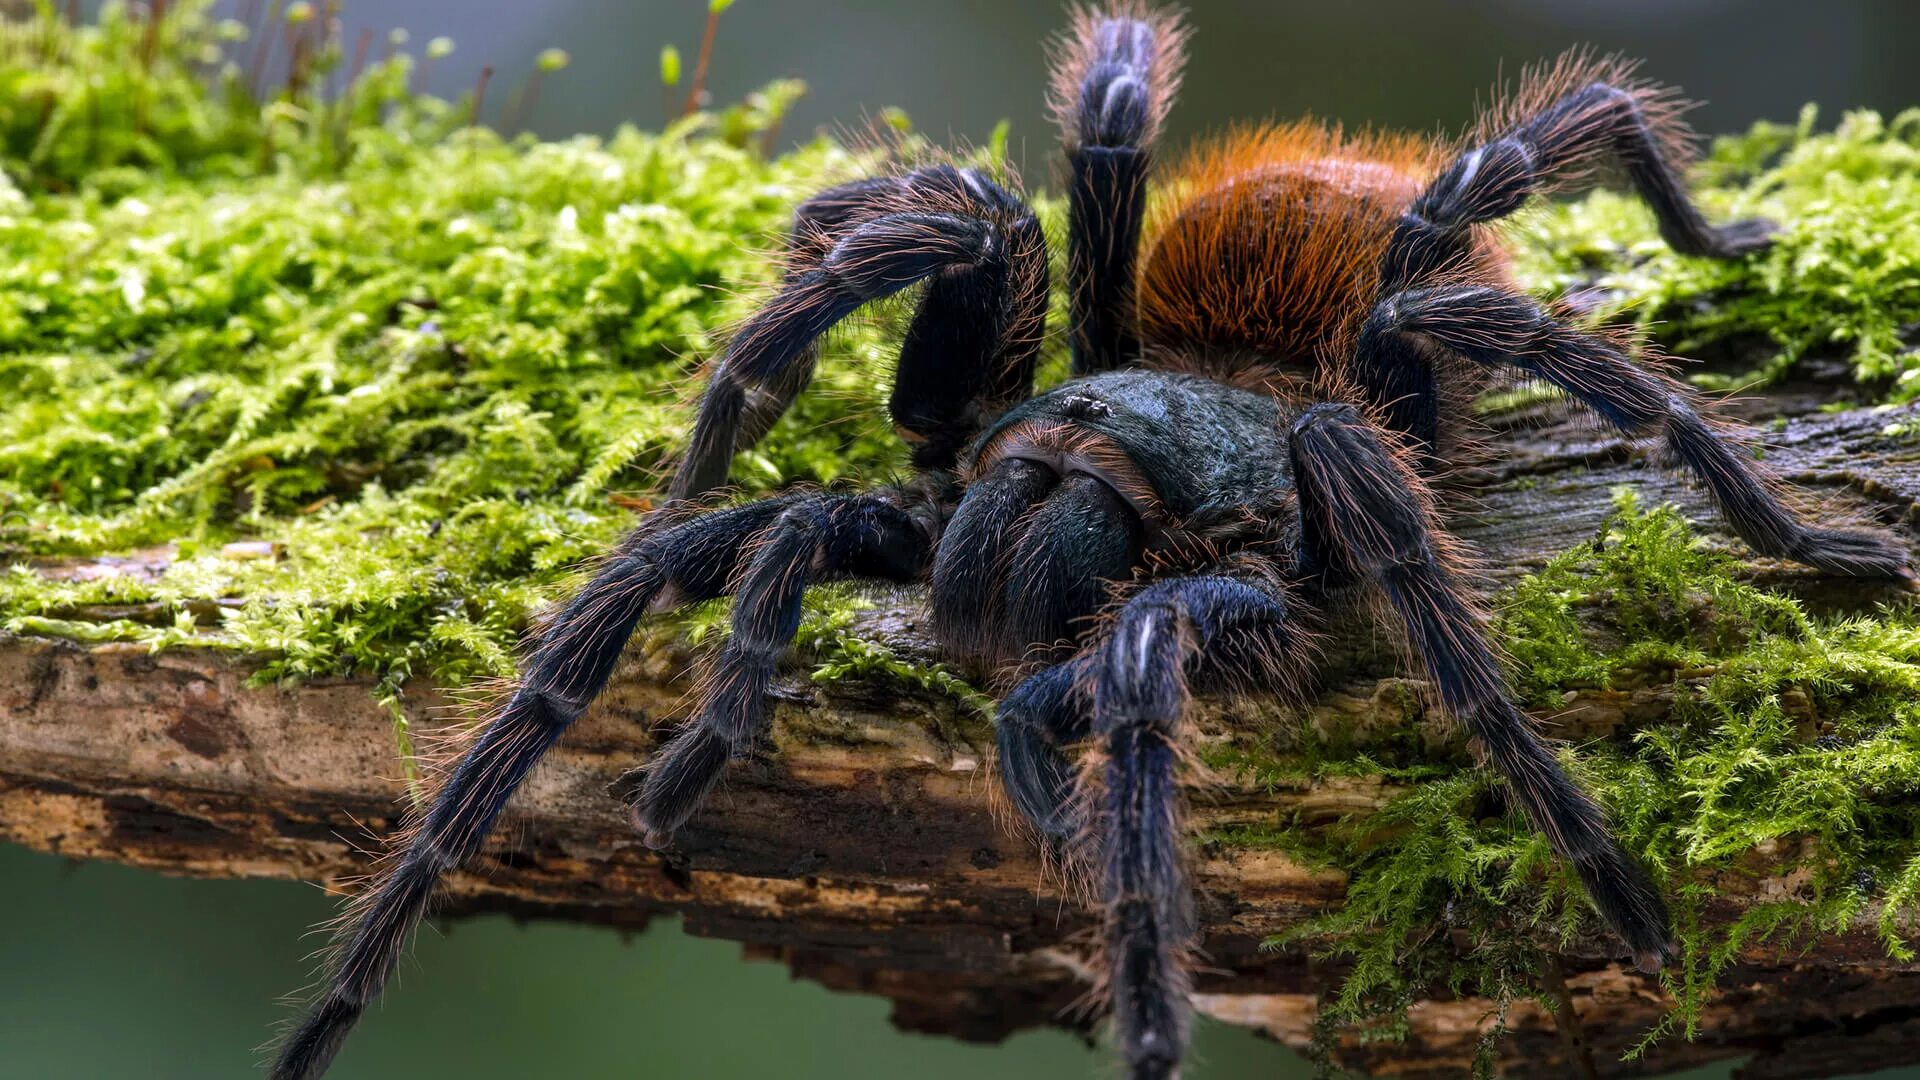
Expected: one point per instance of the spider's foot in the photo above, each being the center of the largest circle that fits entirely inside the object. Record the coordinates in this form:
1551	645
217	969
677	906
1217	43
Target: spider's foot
1854	554
1158	1068
1744	237
655	835
677	782
1653	961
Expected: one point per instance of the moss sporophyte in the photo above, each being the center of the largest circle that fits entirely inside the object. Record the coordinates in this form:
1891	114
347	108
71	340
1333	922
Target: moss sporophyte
418	364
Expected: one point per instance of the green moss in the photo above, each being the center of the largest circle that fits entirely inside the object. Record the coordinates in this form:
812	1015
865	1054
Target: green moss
414	356
1793	749
417	371
830	645
1843	278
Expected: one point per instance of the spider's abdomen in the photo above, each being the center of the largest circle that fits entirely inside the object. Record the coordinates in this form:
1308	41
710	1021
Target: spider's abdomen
1266	249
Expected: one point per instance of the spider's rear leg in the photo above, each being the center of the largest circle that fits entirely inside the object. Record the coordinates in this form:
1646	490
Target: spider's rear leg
1114	75
657	566
1602	114
968	354
1496	328
1168	637
1365	518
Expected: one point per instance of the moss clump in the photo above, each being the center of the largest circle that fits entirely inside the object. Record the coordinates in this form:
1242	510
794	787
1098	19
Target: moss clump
829	642
1793	750
1842	279
416	371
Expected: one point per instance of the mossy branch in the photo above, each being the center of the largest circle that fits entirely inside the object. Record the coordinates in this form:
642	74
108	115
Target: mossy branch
318	433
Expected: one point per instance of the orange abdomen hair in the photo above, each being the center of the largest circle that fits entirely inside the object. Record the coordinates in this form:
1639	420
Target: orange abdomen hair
1263	249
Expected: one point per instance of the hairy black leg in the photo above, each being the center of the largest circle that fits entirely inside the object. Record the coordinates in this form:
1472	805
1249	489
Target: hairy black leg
969	353
657	566
817	224
1496	328
1169	636
1365	518
1630	124
864	242
813	540
1114	77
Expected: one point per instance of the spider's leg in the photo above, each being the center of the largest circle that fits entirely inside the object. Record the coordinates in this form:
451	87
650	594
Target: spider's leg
1366	518
1497	328
813	540
968	354
1610	117
657	566
1115	73
1171	635
817	224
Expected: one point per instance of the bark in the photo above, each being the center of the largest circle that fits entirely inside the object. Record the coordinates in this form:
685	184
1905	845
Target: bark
864	848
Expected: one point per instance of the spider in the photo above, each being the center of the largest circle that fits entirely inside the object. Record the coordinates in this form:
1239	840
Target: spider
1270	367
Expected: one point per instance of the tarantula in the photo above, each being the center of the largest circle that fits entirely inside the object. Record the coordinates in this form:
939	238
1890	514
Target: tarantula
1269	368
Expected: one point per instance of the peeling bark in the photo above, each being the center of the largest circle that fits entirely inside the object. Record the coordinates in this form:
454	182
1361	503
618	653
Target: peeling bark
864	850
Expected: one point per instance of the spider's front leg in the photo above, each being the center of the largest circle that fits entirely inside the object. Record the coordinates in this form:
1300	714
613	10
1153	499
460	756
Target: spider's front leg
1130	691
773	548
1366	519
968	354
1555	131
812	540
1114	78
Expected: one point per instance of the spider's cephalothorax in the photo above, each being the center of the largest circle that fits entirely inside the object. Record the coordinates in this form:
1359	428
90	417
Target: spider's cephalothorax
1267	371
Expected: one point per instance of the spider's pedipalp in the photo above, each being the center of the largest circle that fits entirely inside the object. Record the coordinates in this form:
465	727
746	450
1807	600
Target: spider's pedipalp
1495	328
1366	517
1083	536
1033	725
971	562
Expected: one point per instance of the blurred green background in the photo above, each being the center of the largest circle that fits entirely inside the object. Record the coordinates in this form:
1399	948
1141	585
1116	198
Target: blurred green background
107	971
113	972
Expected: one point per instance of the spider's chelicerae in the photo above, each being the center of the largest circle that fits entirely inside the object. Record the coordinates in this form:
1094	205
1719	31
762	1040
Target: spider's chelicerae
1269	365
